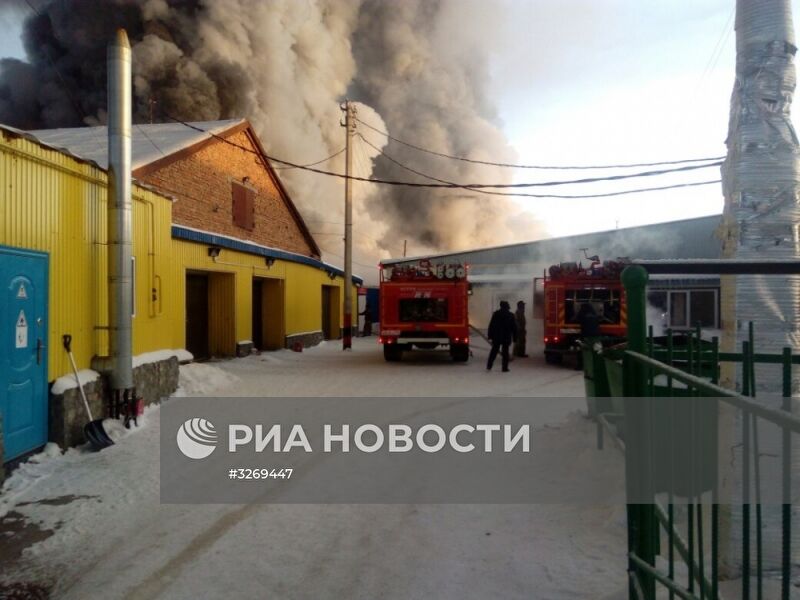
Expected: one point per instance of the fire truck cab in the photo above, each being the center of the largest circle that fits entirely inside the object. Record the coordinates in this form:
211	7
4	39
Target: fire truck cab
568	286
424	305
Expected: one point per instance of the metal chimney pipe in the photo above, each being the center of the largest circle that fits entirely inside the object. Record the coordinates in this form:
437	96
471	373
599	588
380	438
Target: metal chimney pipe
120	212
761	220
761	182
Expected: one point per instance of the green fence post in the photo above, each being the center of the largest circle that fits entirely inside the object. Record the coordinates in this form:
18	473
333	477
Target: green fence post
642	524
786	508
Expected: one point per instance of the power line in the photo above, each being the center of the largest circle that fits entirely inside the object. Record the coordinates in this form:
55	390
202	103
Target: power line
313	164
718	48
442	183
607	194
149	139
561	196
401	165
544	167
471	186
325	222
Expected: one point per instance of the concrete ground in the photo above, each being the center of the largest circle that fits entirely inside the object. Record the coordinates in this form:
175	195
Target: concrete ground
90	525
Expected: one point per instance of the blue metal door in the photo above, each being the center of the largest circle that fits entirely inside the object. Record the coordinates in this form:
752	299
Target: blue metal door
23	355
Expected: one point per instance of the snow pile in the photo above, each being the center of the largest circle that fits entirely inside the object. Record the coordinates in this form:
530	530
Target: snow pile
33	473
27	475
200	379
68	382
104	508
182	355
116	430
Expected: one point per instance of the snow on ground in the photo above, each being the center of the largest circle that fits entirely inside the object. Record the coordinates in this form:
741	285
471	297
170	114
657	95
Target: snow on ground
203	379
105	534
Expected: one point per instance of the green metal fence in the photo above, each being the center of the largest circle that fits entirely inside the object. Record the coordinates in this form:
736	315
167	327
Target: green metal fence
690	368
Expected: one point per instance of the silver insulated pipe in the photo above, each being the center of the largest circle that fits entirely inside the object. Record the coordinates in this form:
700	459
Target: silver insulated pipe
761	180
120	212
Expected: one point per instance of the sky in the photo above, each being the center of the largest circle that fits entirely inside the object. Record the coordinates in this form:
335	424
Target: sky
601	82
618	81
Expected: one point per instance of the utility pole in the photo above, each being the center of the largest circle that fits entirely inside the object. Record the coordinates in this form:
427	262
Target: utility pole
350	129
405	247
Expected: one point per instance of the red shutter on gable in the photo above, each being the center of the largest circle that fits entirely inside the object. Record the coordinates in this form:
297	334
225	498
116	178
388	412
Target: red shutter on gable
243	206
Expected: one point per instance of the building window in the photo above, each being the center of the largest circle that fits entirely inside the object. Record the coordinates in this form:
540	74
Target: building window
684	309
703	308
243	206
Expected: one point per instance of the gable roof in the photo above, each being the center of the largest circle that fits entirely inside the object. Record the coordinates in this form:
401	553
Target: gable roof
154	146
149	143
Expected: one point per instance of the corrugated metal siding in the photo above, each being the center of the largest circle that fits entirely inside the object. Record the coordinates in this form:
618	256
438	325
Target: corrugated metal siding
56	204
190	256
302	288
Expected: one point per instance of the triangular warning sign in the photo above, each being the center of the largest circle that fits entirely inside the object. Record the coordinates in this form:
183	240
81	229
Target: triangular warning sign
21	293
21	321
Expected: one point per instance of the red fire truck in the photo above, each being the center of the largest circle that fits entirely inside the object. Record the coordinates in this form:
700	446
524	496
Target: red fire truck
567	286
424	305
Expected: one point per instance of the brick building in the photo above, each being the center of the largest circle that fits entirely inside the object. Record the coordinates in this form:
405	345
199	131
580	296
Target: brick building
227	190
222	263
251	269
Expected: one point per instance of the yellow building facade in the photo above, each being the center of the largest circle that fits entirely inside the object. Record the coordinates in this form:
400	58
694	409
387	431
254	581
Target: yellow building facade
55	203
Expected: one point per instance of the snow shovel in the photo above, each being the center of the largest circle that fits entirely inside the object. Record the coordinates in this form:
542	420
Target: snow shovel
93	430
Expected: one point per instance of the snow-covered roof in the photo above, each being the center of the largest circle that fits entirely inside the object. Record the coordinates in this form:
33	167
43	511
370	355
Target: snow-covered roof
148	142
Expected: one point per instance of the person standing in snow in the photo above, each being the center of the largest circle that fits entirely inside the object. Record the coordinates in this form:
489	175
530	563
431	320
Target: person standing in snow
502	331
367	314
519	342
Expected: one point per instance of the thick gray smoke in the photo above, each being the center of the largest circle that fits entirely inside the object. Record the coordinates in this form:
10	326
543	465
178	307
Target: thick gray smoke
419	68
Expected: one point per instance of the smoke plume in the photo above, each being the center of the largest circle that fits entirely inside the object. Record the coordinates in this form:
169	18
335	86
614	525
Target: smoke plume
418	68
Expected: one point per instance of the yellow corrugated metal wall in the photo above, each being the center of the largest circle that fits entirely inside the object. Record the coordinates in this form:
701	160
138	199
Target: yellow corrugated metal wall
302	305
56	204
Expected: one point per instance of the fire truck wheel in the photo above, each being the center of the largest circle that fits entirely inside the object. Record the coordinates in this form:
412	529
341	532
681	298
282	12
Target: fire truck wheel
459	352
392	353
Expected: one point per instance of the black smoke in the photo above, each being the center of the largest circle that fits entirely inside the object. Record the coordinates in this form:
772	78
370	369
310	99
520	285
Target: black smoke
63	81
419	66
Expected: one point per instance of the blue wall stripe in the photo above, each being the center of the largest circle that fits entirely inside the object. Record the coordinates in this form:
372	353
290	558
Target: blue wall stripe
202	237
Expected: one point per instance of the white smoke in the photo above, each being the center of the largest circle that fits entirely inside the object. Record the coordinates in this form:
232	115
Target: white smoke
419	68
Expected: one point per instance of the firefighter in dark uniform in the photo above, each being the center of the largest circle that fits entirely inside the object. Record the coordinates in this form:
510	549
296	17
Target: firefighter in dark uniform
589	321
519	341
367	314
502	331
